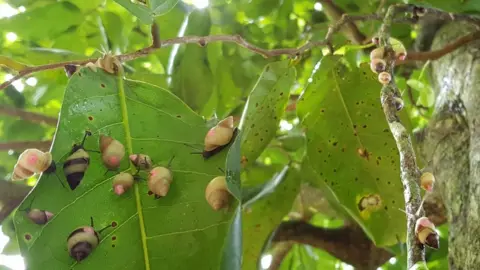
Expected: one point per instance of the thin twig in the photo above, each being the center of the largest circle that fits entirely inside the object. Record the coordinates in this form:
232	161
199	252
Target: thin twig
408	165
203	40
29	116
22	145
350	29
156	42
434	55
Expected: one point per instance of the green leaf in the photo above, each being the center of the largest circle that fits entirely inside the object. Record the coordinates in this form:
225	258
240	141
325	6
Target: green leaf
265	107
40	23
142	12
194	85
341	112
179	230
275	198
160	7
11	64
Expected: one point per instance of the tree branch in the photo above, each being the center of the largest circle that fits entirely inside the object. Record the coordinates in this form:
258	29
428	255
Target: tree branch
203	40
408	165
350	29
156	42
29	116
433	55
11	195
22	145
349	244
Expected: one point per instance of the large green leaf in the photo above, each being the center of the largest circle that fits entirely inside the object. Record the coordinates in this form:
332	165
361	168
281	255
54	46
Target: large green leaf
350	146
265	107
146	14
41	23
275	198
142	12
194	85
179	231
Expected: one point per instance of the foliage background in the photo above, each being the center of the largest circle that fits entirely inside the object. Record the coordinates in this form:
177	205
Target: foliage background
216	79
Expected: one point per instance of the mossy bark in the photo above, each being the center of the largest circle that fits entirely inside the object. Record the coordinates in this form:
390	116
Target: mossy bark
452	142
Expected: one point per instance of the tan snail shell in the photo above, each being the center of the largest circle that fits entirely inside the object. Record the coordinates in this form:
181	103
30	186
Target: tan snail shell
39	217
217	194
425	232
159	181
220	134
112	152
122	182
427	180
35	160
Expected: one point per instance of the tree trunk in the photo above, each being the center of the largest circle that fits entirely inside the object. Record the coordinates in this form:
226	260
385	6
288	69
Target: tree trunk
452	143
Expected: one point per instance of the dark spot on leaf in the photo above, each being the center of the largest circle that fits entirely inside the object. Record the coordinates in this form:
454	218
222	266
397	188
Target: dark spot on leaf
256	134
113	246
114	238
335	143
325	160
252	126
179	116
275	117
261	139
354	126
357	103
256	104
102	85
389	182
343	149
364	126
319	151
334	170
90	118
79	74
356	179
28	236
150	193
114	224
281	93
378	179
257	225
385	130
267	68
386	208
323	110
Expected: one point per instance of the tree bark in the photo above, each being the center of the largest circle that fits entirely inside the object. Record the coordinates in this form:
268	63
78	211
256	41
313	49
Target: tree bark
451	143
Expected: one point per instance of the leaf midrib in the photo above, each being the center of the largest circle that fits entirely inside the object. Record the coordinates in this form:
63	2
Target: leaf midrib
128	140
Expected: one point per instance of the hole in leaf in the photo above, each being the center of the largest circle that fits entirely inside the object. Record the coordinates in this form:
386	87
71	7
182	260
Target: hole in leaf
28	236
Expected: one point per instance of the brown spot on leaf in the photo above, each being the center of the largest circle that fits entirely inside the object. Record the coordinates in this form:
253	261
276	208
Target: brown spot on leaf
90	118
102	85
28	236
114	224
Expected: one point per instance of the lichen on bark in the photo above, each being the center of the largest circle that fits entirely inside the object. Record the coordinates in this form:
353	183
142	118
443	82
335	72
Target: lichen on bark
452	142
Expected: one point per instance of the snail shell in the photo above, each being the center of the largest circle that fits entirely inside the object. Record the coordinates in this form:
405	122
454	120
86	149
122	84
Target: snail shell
159	181
122	182
112	151
217	194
